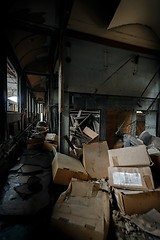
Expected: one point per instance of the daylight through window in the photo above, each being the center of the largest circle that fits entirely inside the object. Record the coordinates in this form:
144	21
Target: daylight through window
12	88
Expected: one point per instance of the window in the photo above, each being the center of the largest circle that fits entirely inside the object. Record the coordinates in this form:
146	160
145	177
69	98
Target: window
12	88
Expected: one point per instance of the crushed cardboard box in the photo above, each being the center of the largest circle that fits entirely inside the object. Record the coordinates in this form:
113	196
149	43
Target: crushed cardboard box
82	212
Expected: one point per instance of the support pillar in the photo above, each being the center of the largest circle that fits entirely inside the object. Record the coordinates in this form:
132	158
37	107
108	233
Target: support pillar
3	105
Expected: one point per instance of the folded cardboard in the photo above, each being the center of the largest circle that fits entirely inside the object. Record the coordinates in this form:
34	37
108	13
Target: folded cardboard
95	159
131	177
82	212
137	202
65	167
129	156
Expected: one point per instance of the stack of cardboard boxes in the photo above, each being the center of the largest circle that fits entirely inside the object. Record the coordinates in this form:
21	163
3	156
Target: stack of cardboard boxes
82	212
131	177
93	166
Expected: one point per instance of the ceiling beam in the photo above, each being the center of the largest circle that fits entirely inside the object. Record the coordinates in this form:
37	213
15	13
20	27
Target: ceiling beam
23	25
111	42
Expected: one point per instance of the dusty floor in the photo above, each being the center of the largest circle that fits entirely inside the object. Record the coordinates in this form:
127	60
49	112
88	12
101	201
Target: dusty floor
37	226
28	227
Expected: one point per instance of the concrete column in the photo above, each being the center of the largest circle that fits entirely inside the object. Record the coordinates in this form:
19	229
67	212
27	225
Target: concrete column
158	119
3	102
103	127
64	148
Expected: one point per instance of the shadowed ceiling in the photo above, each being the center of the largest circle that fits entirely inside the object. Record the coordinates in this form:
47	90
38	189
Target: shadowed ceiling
35	30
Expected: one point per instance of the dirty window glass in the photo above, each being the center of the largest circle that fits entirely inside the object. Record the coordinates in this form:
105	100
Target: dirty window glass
12	88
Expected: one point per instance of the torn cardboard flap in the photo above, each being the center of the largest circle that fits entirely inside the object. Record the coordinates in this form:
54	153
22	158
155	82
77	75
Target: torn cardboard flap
88	189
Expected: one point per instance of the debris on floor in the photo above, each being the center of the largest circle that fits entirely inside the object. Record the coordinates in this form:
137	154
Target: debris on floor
28	184
126	229
148	222
84	127
108	194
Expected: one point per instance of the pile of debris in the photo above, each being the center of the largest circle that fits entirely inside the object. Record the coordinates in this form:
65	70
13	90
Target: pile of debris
26	190
102	188
84	127
131	193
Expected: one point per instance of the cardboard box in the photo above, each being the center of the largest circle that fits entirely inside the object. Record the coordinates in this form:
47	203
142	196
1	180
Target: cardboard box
95	159
90	133
82	212
129	156
52	137
131	178
137	202
49	147
65	167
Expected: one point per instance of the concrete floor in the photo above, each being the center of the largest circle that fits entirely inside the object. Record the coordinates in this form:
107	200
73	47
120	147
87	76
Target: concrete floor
26	204
30	227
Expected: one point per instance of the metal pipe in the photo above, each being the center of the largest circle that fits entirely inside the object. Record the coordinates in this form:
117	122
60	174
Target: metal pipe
152	103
